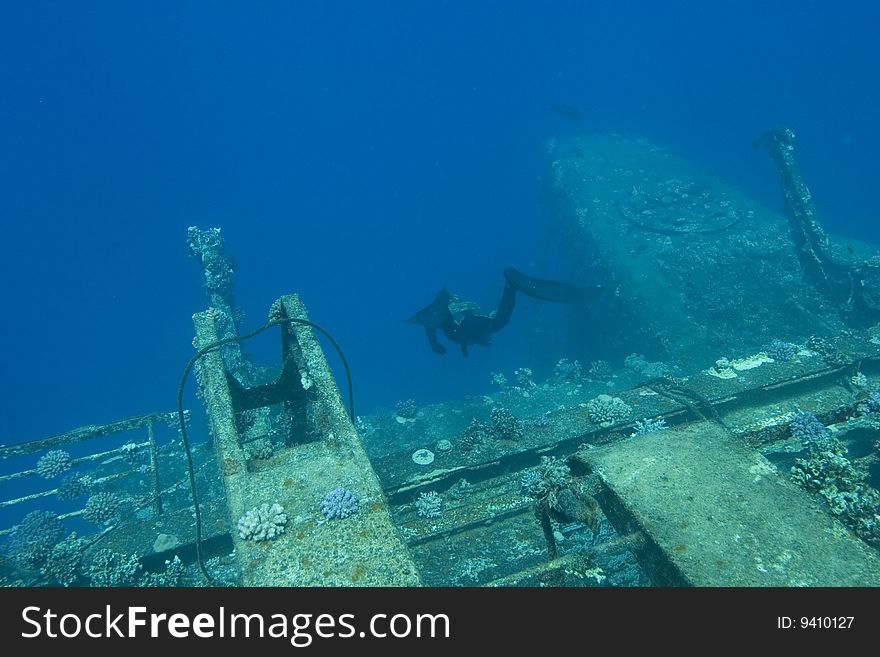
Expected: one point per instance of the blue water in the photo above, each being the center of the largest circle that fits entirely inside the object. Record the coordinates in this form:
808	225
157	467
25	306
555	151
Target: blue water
362	154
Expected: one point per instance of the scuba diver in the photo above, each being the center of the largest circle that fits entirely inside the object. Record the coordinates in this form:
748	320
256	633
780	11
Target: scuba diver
460	323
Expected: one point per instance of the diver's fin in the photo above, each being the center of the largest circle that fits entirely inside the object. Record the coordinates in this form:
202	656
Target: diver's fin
550	290
435	314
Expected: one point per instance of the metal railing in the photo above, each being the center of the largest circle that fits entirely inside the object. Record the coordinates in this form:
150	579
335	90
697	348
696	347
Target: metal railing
83	434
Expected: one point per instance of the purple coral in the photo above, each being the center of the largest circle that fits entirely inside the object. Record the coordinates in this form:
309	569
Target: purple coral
781	350
807	428
31	542
102	507
340	503
53	464
73	486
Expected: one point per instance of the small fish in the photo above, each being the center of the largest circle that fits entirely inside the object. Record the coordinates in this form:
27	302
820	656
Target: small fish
568	111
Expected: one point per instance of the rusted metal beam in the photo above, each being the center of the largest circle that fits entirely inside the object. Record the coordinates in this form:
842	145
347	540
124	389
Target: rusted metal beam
88	432
73	462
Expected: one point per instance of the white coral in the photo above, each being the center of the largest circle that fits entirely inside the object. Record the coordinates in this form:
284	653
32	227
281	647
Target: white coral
606	410
262	523
429	505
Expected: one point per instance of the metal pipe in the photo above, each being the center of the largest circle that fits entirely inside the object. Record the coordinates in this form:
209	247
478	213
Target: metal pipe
154	471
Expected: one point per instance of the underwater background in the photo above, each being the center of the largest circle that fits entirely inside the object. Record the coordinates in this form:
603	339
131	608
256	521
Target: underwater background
363	155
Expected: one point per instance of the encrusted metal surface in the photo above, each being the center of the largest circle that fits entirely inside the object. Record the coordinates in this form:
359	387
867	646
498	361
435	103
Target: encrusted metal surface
724	515
365	549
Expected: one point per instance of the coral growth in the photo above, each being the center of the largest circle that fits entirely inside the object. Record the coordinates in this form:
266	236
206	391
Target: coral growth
606	410
32	540
53	464
827	471
547	478
340	503
64	562
600	369
132	454
102	507
505	425
780	350
429	505
109	568
568	370
807	428
649	370
262	523
171	576
443	445
407	409
460	489
648	425
523	376
826	351
74	486
207	246
423	456
476	436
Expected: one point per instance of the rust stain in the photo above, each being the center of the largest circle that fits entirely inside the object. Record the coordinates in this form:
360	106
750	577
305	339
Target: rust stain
358	574
230	466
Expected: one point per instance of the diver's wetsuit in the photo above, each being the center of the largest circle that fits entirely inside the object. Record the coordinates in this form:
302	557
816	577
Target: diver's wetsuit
474	328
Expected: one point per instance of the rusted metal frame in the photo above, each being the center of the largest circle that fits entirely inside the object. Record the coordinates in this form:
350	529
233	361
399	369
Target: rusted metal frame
470	524
48	493
807	233
86	433
73	462
555	567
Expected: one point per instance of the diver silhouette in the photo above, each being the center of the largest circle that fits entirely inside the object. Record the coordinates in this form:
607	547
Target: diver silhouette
461	324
